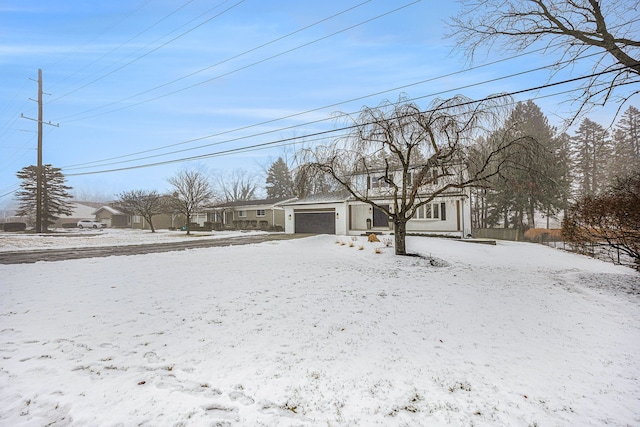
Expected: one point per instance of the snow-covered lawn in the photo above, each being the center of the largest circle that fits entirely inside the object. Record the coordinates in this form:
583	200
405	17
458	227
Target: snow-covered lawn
74	238
312	333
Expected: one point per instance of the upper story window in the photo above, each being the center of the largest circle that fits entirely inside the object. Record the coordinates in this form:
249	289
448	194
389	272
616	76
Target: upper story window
381	181
376	182
260	212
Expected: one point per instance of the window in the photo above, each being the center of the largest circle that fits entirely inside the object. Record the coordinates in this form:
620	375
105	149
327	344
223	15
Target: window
260	212
137	219
242	214
376	182
429	211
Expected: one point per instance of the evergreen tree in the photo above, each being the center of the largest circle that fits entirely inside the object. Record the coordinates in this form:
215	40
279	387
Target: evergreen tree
626	143
591	151
537	182
279	181
54	194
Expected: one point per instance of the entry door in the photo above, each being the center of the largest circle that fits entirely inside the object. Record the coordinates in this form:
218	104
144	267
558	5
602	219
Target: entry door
380	218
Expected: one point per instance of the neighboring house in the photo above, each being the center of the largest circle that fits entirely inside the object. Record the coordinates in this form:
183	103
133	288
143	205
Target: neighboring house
80	210
264	214
117	217
449	214
112	217
160	221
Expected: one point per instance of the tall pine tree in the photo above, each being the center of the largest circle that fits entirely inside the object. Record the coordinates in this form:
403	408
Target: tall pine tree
537	182
54	194
626	144
591	151
279	181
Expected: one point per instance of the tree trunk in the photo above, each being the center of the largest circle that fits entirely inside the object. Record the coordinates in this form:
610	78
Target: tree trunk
400	235
153	230
188	224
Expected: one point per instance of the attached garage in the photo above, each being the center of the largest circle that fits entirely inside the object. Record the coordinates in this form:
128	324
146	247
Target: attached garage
315	221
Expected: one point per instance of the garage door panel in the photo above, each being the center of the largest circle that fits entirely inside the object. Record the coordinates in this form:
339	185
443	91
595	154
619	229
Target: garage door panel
315	222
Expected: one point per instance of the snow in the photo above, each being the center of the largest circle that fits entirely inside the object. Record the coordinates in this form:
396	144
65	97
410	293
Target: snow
309	332
62	238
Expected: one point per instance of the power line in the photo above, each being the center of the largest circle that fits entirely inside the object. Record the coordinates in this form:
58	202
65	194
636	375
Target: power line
76	166
127	41
237	69
210	66
344	128
147	53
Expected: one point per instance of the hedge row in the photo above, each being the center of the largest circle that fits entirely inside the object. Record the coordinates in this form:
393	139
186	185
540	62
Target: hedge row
14	226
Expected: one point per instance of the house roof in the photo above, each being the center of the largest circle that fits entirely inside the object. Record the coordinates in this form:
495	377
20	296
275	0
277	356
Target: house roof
320	198
80	210
109	209
258	202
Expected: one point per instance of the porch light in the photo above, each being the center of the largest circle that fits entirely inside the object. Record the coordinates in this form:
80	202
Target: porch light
337	215
289	217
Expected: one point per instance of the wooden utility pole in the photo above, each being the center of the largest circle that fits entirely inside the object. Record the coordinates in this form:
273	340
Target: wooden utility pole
39	169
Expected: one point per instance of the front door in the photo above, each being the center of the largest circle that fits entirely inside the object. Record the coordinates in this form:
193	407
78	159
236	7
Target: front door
380	218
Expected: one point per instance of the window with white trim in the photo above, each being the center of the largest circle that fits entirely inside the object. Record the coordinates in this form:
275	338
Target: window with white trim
428	211
242	214
260	212
137	219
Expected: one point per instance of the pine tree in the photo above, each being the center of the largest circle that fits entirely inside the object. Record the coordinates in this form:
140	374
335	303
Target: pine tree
626	144
537	182
279	181
591	151
54	194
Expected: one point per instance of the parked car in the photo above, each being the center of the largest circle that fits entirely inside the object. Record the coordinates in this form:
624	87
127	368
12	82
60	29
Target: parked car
90	223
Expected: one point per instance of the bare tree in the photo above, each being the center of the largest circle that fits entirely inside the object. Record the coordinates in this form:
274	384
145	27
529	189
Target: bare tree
612	217
191	192
237	185
569	28
143	203
398	158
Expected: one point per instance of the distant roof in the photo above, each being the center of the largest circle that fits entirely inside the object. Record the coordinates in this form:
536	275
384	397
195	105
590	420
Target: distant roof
94	205
110	209
257	202
81	209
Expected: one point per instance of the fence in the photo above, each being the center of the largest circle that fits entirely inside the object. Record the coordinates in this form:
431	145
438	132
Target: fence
553	238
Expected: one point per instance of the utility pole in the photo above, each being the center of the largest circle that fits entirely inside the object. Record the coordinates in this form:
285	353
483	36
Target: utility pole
39	169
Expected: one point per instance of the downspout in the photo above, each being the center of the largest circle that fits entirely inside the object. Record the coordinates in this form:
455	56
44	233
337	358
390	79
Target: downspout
462	216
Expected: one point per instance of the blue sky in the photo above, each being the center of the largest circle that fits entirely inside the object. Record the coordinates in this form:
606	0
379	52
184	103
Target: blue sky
138	82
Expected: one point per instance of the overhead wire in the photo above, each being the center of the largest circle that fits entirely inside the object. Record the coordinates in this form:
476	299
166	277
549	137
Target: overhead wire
76	166
146	53
212	66
340	129
66	118
123	43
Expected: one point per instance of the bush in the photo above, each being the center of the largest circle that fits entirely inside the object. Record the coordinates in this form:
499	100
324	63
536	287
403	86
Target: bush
14	226
540	235
612	218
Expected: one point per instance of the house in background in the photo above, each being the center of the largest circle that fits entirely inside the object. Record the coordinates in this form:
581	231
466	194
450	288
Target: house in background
116	217
264	214
164	221
80	210
113	217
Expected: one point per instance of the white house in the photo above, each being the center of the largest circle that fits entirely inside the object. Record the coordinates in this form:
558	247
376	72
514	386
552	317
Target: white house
449	214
